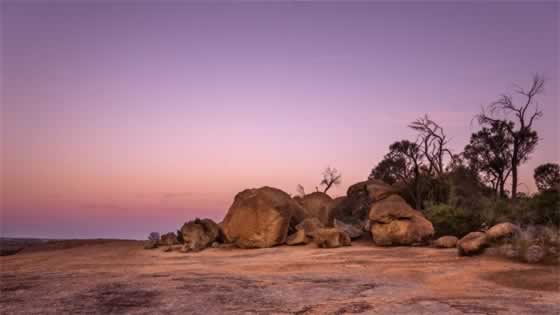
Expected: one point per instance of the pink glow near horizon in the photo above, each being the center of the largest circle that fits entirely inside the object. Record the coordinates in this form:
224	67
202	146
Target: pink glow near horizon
119	119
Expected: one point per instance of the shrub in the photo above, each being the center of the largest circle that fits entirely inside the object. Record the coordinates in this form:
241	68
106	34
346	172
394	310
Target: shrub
180	239
154	236
449	220
533	244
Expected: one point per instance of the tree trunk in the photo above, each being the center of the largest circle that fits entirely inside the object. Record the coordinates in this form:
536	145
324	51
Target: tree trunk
417	188
502	193
514	162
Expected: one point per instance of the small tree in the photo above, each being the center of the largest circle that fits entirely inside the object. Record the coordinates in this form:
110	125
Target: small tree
547	176
154	236
432	142
180	239
489	154
331	177
402	164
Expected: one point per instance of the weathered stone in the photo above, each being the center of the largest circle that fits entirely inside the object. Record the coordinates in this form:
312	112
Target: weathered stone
310	226
199	234
502	230
375	189
472	244
394	222
317	205
331	238
446	242
261	218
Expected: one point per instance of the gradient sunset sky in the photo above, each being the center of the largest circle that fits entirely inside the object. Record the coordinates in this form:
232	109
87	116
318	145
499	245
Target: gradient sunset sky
120	117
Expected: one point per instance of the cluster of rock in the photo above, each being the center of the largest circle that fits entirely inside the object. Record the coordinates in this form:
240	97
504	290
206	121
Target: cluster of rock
267	217
476	242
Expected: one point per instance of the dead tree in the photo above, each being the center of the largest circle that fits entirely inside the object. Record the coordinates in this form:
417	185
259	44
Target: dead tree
432	142
331	177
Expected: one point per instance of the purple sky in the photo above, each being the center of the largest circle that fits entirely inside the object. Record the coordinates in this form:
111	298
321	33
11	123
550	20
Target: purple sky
120	118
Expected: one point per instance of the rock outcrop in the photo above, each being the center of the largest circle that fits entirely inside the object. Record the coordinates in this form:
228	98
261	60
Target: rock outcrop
394	222
331	238
317	205
199	234
261	218
446	242
374	189
472	244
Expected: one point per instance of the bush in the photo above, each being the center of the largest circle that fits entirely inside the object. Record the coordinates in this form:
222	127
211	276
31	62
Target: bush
180	239
533	244
449	220
541	209
154	236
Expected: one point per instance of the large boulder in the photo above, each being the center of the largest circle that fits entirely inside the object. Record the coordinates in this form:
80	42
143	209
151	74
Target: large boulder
261	218
354	208
374	189
448	241
317	205
199	234
331	238
394	222
502	230
472	244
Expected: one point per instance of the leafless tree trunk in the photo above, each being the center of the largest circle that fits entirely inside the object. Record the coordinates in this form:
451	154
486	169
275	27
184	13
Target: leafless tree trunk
331	177
433	142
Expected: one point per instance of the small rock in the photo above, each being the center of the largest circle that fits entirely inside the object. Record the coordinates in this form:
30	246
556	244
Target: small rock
472	244
331	238
502	230
446	242
298	238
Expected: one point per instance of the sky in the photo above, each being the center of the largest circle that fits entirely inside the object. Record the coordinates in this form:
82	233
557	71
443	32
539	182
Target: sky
119	118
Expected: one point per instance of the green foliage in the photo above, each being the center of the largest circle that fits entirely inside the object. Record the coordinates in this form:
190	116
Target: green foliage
543	208
448	220
547	176
153	236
